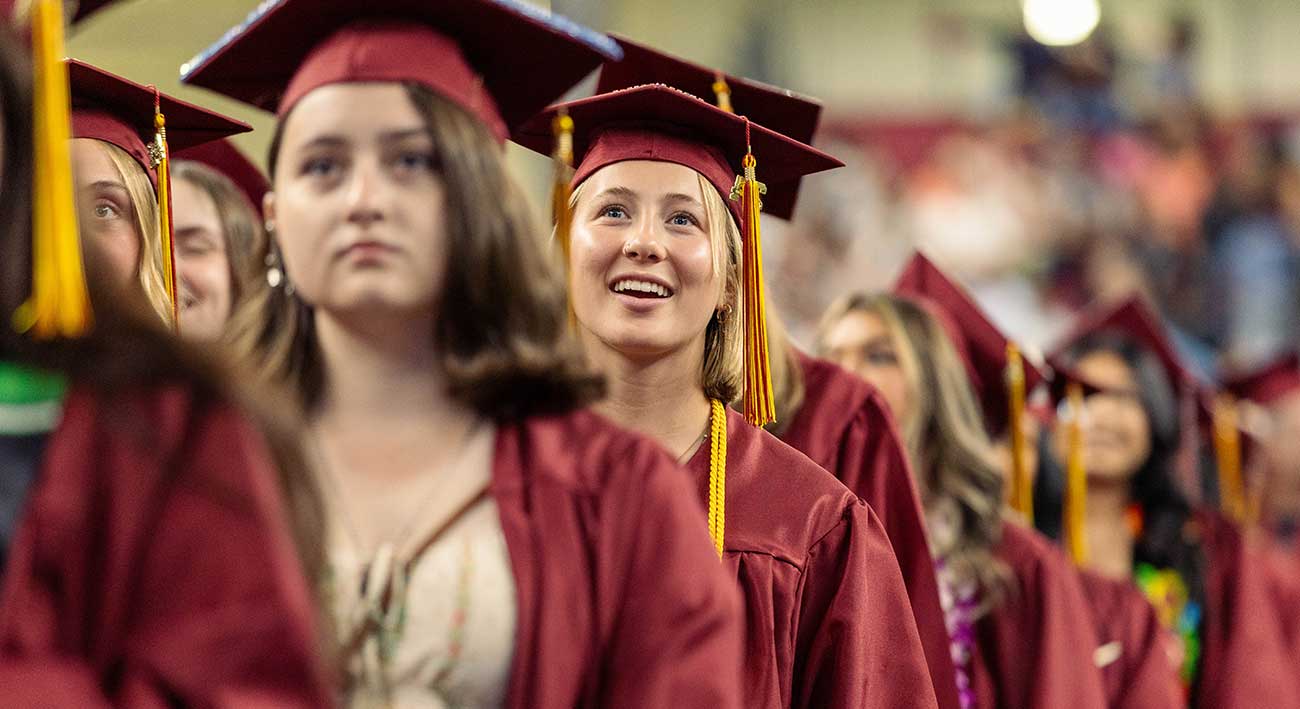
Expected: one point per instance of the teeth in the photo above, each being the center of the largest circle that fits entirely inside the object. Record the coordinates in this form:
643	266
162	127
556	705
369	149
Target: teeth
640	287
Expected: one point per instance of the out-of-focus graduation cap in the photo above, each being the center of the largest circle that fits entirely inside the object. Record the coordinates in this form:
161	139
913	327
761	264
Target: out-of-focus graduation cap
1267	383
223	157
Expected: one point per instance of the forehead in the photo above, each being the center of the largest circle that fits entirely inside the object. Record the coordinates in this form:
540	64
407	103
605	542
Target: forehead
358	111
91	162
647	177
1107	369
856	328
193	203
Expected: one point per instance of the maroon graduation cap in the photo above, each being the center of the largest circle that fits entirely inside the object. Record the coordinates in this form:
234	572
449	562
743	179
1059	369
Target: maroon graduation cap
1268	383
980	343
119	111
501	60
225	158
778	109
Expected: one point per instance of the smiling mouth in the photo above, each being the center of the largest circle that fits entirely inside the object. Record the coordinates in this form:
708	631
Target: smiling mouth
640	289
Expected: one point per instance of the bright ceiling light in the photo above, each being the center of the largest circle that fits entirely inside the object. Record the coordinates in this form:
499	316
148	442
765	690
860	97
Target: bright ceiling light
1060	23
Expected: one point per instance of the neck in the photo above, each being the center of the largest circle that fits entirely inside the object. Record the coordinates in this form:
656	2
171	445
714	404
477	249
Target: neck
659	397
377	374
1110	542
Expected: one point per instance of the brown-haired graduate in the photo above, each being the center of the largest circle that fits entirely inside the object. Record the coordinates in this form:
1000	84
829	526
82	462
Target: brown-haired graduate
1131	650
491	543
836	419
665	281
148	551
1209	589
1021	630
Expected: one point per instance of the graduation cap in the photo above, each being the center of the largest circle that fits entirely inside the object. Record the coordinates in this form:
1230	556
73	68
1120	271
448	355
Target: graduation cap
778	109
225	158
661	123
999	374
1267	384
147	125
501	60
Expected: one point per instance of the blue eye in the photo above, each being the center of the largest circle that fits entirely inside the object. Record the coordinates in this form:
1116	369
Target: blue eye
614	212
319	167
416	161
104	210
683	219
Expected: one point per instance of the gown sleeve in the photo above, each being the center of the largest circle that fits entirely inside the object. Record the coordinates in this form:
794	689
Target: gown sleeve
678	633
159	577
856	635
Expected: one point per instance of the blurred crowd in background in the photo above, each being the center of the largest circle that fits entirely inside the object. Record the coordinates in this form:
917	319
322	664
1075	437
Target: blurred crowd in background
1101	175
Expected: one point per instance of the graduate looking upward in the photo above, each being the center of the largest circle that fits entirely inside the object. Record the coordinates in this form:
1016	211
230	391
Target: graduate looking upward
490	543
834	418
666	290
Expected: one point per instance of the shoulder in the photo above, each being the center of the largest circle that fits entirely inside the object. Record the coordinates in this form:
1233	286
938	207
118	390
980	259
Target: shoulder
1034	561
835	403
778	500
579	451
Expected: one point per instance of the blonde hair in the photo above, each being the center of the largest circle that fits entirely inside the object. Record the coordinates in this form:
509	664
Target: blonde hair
144	205
945	438
722	370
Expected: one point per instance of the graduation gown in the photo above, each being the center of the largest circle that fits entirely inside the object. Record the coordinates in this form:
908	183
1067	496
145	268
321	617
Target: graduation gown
1035	649
845	427
1133	654
152	565
1283	570
828	619
621	600
1244	658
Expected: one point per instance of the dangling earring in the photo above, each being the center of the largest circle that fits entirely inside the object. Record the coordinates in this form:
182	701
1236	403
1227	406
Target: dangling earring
723	313
276	275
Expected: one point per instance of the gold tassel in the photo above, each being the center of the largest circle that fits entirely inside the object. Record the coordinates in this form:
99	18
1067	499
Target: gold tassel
60	304
722	93
561	193
760	402
717	474
1227	450
1076	489
162	163
1022	489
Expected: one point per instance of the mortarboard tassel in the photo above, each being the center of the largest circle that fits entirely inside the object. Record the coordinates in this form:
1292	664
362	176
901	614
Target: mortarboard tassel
1022	490
760	402
717	474
561	212
1227	451
60	304
722	93
1076	483
158	154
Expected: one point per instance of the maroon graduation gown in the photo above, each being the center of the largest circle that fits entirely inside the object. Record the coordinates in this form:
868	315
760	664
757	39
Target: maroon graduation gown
1244	660
1138	672
845	427
827	613
621	599
1283	570
153	566
1035	649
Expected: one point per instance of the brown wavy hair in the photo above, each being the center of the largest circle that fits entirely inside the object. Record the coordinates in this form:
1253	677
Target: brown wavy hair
506	348
946	440
240	226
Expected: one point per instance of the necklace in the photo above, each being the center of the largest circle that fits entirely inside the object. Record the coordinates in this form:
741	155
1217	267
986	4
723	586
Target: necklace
717	473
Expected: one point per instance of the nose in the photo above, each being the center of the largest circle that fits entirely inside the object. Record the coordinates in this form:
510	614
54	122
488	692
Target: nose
363	198
643	245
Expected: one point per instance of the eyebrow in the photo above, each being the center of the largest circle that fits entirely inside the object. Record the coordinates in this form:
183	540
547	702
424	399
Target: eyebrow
396	135
337	141
623	192
679	197
106	185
